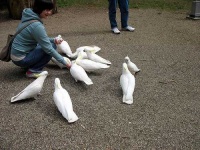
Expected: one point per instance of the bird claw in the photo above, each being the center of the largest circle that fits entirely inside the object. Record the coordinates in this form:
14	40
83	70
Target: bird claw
39	94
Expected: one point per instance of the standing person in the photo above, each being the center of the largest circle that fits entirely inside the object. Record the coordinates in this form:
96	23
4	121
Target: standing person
32	48
123	6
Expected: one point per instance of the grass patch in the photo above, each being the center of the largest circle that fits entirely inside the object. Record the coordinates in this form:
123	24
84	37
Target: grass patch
69	3
156	4
162	4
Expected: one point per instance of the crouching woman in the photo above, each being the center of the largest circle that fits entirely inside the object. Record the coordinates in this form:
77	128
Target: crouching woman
32	48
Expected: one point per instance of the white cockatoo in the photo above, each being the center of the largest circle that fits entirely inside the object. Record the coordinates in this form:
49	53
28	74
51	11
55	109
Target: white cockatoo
79	74
64	47
79	49
63	102
33	89
93	56
127	82
89	65
131	65
60	64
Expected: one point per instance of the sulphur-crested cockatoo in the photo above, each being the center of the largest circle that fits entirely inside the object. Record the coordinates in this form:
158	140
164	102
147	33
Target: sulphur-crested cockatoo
64	47
63	102
33	89
60	64
89	65
93	56
127	82
79	49
131	65
79	74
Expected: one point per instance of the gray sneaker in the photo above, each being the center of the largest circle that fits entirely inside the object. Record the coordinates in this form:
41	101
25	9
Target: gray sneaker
115	30
30	74
128	28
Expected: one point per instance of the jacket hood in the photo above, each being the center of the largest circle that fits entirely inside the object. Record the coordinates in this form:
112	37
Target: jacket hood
28	14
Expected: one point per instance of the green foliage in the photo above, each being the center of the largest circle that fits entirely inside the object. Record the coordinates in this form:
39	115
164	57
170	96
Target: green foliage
68	3
158	4
162	4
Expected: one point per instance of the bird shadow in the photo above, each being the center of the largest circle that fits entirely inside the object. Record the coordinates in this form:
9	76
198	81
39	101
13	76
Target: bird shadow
79	85
96	73
53	66
12	75
52	112
137	73
28	100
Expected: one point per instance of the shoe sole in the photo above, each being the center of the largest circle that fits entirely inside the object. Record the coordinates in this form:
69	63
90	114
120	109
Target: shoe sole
116	32
128	30
32	76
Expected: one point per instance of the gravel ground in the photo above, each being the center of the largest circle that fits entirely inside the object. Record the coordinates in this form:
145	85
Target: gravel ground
166	108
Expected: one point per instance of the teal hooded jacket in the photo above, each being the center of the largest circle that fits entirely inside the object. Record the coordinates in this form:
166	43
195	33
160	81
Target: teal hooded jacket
32	35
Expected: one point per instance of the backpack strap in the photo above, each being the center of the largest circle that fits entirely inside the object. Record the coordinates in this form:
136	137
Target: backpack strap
27	24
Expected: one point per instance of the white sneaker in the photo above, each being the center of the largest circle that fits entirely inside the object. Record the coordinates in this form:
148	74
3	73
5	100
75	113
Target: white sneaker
115	30
129	28
30	74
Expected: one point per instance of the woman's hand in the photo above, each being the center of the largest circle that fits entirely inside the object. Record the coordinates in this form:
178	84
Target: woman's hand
68	62
58	41
69	66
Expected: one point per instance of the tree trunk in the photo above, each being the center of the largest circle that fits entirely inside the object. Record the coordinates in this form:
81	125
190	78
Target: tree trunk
15	7
55	7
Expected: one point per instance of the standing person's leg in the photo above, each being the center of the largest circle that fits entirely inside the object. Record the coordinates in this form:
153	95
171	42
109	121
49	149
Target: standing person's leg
112	15
123	6
124	9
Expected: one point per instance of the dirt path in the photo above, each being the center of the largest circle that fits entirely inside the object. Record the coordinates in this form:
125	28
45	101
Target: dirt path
166	108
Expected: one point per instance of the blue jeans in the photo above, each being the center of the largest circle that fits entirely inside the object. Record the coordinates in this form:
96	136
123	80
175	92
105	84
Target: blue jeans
123	6
36	60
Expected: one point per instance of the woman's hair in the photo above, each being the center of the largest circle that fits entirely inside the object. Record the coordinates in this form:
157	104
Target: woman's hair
40	5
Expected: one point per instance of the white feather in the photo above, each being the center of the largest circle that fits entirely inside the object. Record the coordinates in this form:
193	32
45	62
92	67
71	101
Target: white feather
33	89
93	56
131	65
89	65
79	49
64	47
79	74
63	102
127	82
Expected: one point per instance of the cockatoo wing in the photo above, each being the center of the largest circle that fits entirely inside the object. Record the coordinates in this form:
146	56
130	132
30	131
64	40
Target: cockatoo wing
63	102
130	89
28	92
64	105
75	55
81	49
97	58
64	48
127	82
89	65
32	89
93	47
124	83
79	74
131	65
